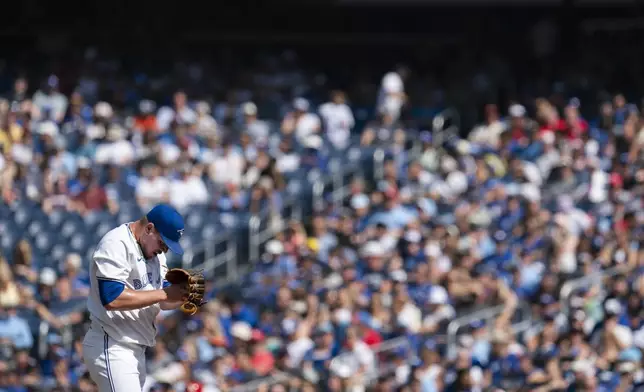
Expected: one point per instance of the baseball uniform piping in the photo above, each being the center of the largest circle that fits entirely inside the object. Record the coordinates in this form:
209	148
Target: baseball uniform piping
107	363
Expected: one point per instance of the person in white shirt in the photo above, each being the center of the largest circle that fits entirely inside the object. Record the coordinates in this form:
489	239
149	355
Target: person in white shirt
489	133
152	188
300	121
189	189
287	160
49	101
205	123
180	114
118	150
227	166
257	129
338	120
127	292
391	96
363	353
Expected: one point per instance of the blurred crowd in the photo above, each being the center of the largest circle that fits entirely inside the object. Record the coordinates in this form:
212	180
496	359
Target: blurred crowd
503	217
359	295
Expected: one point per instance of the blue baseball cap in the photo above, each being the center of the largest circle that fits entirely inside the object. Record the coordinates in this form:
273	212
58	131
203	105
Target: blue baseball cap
169	224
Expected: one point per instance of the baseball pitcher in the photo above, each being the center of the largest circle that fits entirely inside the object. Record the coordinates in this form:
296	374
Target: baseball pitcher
130	284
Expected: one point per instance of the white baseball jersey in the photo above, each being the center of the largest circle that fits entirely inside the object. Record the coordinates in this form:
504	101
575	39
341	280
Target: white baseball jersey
118	257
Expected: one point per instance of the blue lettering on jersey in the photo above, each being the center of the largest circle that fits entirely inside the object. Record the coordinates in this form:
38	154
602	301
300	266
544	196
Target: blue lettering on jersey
144	281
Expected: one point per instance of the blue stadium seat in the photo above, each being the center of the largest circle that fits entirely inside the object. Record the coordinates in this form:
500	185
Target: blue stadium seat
79	242
5	213
213	217
71	227
126	192
193	232
94	218
294	188
8	240
128	215
59	252
44	241
102	229
195	220
37	226
210	231
130	207
186	242
56	219
229	220
22	216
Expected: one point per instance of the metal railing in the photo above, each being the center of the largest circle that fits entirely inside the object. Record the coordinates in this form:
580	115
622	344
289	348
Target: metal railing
526	322
252	386
333	184
66	332
213	260
585	282
382	366
486	315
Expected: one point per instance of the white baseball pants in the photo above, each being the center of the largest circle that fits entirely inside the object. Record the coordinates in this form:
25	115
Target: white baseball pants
113	366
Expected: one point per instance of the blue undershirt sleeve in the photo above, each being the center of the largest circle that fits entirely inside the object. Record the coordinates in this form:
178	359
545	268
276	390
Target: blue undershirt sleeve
109	290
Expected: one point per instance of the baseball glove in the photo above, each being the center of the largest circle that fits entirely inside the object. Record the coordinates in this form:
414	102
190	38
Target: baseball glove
194	282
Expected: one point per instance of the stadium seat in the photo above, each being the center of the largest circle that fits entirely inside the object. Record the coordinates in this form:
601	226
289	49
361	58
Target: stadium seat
71	227
22	216
93	218
195	220
5	213
102	229
56	219
59	252
210	231
43	242
79	243
8	240
127	216
37	226
229	220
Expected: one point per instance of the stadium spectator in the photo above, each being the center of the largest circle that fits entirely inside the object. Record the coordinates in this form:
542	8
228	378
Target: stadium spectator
48	103
251	125
301	123
361	289
338	120
392	97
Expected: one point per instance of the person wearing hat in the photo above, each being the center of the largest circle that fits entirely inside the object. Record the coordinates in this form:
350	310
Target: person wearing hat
252	125
338	120
127	293
300	121
49	102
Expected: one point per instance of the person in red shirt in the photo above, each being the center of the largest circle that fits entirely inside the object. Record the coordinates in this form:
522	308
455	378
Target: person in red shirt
262	360
146	120
94	198
576	125
549	117
194	386
369	335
